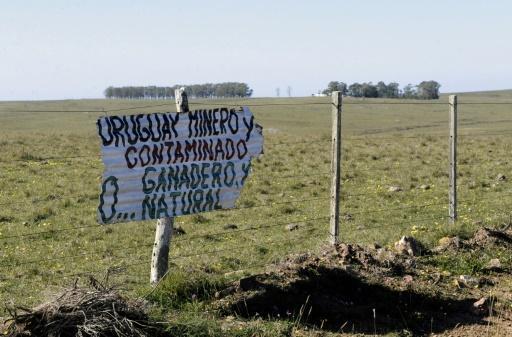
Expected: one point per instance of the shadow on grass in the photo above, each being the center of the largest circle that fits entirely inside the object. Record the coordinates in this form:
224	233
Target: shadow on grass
332	299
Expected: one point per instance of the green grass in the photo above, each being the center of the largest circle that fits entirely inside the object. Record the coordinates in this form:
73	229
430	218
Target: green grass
383	145
181	289
469	262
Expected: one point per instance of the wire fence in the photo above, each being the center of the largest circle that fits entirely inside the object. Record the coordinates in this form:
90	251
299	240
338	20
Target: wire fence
284	209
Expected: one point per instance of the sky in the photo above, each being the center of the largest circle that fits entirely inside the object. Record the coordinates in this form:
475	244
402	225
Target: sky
67	49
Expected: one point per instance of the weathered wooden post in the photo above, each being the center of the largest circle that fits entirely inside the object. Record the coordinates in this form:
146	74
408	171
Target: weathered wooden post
336	167
163	234
452	211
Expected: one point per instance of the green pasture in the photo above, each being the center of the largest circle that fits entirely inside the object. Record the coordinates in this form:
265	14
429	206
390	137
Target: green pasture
50	171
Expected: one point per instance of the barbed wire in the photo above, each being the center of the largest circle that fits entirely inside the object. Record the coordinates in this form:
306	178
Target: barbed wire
43	111
482	162
218	210
98	156
230	104
484	134
318	174
372	134
252	228
426	103
104	227
402	169
484	103
408	222
38	201
245	267
258	226
61	197
302	142
383	192
262	105
475	200
397	208
368	137
171	257
59	230
394	103
165	104
42	159
114	269
245	103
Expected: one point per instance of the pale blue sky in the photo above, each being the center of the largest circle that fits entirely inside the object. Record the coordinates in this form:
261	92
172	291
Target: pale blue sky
74	49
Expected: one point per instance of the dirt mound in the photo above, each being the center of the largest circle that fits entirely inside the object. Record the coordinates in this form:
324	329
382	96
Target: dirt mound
490	237
484	237
348	288
93	311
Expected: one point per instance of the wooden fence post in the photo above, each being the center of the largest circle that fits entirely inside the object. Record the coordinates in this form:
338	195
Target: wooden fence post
336	167
164	226
452	212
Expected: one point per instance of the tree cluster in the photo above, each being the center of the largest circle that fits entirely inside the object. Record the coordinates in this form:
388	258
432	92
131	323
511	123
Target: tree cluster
207	90
424	90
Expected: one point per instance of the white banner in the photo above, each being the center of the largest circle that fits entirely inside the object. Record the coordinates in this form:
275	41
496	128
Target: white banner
167	164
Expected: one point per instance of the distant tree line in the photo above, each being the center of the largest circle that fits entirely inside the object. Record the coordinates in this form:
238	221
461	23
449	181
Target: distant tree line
207	90
424	90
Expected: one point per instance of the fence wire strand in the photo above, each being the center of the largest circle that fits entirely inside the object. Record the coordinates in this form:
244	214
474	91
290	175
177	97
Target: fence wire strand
125	257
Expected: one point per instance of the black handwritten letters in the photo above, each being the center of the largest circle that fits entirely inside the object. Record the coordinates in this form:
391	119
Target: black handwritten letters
185	151
168	164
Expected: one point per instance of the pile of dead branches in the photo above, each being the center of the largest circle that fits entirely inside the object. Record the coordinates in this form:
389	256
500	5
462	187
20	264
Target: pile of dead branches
91	311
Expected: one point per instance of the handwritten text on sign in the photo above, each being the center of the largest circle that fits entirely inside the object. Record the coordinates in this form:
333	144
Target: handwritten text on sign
167	164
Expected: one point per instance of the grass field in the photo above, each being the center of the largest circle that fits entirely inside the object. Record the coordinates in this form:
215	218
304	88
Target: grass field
50	171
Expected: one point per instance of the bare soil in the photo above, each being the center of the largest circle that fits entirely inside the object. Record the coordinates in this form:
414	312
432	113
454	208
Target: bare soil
374	290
